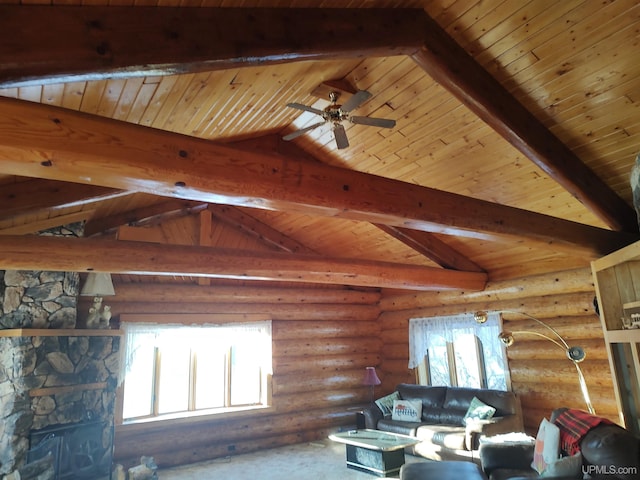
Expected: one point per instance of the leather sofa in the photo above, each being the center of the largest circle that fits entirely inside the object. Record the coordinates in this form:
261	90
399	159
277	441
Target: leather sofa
608	452
442	431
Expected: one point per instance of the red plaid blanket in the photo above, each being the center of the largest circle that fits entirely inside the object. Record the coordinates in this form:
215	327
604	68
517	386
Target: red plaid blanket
573	425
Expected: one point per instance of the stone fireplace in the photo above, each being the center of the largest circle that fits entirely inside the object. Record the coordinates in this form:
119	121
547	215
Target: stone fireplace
53	377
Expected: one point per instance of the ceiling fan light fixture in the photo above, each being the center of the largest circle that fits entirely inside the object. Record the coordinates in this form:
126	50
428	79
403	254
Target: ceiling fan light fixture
336	113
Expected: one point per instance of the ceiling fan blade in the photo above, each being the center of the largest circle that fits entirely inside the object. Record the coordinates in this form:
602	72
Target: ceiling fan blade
306	108
340	136
297	133
374	122
355	101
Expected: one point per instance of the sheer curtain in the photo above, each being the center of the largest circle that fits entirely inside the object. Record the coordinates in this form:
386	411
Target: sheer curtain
426	333
257	334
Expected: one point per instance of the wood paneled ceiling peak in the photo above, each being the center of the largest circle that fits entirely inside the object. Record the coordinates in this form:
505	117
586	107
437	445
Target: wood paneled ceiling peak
217	72
102	42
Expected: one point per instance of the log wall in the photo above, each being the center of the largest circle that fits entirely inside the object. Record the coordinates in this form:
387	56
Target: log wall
540	373
322	341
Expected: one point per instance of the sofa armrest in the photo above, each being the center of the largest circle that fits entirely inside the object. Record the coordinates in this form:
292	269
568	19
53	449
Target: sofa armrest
372	415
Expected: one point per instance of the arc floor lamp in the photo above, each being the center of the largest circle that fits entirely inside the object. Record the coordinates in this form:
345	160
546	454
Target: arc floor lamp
575	354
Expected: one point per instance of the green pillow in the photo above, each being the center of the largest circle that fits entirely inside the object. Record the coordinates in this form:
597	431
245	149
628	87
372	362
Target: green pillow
478	410
385	404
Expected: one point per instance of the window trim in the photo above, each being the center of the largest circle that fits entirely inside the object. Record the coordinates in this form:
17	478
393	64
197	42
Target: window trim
193	320
422	366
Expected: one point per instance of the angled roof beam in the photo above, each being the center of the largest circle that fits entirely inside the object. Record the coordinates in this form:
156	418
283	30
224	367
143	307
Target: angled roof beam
432	247
44	44
424	243
61	44
58	144
450	65
139	216
35	195
143	258
247	224
47	223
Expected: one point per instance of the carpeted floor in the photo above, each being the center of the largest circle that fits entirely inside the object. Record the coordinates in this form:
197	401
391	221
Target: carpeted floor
322	460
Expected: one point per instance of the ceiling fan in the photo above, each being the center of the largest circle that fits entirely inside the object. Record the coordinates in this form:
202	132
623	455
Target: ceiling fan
336	113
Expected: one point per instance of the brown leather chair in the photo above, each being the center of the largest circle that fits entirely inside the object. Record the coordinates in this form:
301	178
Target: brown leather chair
608	452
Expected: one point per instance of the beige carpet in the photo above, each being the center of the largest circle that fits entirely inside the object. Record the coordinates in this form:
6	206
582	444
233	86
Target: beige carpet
322	460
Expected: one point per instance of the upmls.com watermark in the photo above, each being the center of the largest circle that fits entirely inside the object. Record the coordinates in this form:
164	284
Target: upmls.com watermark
609	470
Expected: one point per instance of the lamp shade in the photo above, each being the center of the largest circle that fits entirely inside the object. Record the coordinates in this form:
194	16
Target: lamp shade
98	285
371	377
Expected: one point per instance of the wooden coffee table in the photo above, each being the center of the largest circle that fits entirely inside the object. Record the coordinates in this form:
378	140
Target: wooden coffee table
374	451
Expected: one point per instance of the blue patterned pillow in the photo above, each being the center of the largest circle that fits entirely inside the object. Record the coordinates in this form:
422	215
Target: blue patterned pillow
385	404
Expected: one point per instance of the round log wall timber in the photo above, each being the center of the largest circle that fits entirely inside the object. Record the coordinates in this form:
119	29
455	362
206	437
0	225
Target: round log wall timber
322	341
540	373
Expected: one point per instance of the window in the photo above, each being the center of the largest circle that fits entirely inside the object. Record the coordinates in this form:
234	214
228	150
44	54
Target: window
175	370
457	351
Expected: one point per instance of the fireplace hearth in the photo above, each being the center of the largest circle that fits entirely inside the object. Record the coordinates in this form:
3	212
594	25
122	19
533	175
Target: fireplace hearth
80	451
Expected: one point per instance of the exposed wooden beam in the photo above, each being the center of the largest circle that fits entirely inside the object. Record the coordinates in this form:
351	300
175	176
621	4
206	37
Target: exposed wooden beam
141	258
448	63
432	247
55	44
50	142
43	44
155	292
246	223
423	242
139	216
34	195
47	223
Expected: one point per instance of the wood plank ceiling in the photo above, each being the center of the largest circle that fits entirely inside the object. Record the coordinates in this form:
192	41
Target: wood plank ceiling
542	112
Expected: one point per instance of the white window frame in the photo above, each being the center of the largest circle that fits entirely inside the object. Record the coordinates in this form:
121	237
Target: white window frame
423	333
193	329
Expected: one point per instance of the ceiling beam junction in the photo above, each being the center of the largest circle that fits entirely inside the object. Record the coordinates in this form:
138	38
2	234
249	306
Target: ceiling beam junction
45	44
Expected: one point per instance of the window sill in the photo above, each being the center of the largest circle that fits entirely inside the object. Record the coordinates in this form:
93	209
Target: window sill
185	418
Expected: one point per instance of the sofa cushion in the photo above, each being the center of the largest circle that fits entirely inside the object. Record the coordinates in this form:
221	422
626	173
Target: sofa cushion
459	398
407	410
431	397
431	415
443	435
570	467
452	417
394	426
